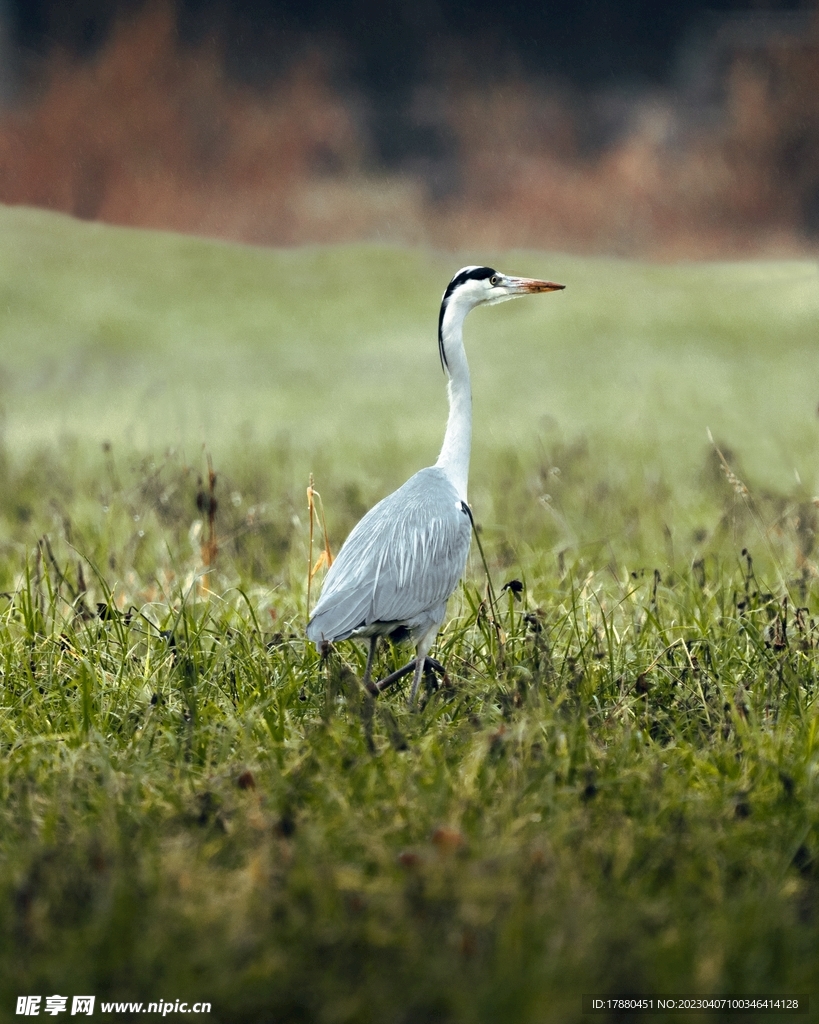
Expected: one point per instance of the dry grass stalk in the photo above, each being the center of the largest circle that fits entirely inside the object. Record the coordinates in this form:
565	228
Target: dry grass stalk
315	508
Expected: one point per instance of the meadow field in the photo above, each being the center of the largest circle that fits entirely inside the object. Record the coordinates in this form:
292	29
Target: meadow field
615	788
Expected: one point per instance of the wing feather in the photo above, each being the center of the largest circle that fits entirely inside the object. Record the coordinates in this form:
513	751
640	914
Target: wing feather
399	564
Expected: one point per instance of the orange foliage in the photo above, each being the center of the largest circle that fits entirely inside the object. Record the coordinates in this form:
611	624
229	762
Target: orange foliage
149	134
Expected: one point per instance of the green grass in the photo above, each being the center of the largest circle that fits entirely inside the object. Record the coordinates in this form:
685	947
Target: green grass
193	805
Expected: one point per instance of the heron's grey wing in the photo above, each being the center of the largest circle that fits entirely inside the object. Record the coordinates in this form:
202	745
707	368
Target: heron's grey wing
402	560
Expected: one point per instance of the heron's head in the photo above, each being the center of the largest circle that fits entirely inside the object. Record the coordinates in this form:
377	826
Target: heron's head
483	286
477	286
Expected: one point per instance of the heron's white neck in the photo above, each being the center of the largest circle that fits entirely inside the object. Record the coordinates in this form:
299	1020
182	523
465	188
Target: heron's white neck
454	457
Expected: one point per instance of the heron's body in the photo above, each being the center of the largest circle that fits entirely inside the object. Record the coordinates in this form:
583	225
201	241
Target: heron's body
399	565
402	561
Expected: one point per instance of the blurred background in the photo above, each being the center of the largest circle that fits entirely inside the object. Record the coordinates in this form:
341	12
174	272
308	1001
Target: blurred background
619	127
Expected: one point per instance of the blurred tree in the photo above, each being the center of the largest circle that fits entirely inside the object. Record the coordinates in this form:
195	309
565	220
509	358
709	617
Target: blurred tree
583	124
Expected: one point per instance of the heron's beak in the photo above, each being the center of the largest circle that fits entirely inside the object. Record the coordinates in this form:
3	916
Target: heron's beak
530	286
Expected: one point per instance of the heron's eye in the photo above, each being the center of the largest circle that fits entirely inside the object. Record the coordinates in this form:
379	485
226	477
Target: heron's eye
494	280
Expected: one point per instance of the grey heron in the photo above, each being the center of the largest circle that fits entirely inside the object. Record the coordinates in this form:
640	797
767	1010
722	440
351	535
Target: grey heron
402	561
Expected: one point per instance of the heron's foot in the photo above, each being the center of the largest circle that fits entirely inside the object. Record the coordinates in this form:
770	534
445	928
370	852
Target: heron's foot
430	665
393	677
435	668
426	671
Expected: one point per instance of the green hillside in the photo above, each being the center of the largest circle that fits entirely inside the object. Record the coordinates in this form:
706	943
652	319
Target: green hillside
154	339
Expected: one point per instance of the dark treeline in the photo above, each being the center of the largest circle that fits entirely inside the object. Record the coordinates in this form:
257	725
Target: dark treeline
391	46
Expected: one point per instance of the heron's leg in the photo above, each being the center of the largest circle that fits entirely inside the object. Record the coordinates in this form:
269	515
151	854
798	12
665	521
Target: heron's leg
399	673
422	650
416	680
370	655
393	677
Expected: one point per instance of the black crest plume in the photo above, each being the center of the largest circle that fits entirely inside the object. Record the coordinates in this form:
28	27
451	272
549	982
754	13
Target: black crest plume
467	274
